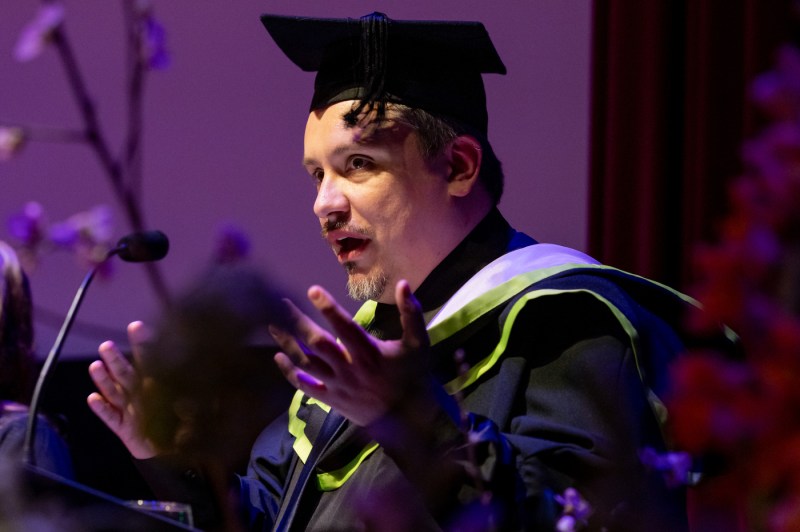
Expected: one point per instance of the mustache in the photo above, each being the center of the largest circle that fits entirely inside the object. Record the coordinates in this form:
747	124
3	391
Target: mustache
329	226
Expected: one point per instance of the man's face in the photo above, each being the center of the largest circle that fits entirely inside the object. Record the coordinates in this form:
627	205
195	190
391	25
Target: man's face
382	207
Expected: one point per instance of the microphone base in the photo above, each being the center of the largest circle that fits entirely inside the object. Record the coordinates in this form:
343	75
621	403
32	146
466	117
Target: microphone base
73	506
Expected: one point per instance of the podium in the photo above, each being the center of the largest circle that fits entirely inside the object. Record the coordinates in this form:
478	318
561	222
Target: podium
74	506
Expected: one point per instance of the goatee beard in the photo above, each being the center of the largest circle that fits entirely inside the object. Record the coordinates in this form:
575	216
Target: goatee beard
365	287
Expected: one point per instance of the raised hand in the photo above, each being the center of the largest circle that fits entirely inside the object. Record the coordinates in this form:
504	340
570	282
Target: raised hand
114	403
361	377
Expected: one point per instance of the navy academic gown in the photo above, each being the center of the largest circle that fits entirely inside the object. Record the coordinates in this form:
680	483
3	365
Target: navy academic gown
565	363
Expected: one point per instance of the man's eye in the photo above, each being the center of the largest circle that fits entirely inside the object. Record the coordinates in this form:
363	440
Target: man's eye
317	175
359	163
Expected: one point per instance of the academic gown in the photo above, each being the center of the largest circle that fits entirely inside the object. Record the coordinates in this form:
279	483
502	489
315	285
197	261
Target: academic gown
559	377
561	366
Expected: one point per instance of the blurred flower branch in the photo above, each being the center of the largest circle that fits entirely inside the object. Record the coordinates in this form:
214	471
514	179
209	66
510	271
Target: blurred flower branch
145	50
743	414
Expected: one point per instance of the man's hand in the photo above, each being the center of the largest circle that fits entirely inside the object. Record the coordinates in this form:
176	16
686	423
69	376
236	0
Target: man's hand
360	377
116	379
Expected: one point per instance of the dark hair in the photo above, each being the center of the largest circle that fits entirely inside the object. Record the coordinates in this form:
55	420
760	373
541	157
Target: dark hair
435	133
17	364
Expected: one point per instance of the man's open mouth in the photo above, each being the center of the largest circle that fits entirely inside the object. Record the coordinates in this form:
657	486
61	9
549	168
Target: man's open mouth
348	248
349	244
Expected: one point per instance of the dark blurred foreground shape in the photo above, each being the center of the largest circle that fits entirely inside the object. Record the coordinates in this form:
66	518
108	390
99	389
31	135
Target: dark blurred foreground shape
211	386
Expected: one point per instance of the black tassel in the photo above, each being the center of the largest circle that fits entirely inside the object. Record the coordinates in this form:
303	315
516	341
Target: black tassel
374	59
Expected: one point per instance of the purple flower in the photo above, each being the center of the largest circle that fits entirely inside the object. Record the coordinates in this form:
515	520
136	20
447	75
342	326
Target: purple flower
27	226
88	229
36	34
575	511
567	523
232	245
778	91
87	234
11	141
154	45
63	234
675	467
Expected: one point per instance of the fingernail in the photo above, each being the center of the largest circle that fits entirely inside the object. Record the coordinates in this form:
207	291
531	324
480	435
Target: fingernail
308	380
406	290
314	293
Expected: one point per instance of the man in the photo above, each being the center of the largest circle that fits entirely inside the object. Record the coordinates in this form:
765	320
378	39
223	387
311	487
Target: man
486	373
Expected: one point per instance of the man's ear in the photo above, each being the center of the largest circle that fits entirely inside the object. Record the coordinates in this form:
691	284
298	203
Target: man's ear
465	163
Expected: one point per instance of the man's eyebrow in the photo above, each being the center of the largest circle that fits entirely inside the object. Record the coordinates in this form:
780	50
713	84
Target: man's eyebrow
338	150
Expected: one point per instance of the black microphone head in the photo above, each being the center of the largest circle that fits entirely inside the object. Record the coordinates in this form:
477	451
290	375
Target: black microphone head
142	246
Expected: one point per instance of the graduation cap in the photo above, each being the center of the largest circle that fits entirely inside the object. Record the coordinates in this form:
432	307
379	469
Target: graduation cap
432	65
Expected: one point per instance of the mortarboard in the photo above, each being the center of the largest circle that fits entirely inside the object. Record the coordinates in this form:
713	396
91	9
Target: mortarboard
431	65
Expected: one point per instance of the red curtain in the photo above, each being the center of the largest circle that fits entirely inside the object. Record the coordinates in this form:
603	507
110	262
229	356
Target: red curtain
669	114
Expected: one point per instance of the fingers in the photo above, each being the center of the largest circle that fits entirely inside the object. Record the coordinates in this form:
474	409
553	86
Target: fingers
288	368
313	361
302	356
311	336
302	326
107	413
110	403
309	347
104	377
349	332
115	379
297	377
117	367
415	334
123	426
114	402
138	335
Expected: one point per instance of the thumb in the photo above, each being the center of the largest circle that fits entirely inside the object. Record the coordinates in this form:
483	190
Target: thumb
415	335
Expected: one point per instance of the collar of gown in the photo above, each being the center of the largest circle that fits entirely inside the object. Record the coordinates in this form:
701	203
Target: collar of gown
491	238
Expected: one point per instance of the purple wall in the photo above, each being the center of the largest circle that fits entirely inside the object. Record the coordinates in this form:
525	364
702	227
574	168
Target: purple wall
223	139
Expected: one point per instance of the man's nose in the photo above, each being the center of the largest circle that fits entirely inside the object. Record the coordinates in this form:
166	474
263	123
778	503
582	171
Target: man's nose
331	201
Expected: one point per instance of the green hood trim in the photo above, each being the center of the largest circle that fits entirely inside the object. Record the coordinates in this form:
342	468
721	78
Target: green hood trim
450	321
329	480
335	479
302	445
477	370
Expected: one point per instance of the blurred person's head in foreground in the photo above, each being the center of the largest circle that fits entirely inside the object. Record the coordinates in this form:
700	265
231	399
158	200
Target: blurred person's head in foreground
17	363
210	384
18	371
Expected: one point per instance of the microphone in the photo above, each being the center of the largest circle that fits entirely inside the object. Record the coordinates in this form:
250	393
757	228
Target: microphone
144	246
141	246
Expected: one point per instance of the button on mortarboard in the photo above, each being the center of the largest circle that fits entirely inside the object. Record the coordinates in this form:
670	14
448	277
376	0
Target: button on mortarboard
431	65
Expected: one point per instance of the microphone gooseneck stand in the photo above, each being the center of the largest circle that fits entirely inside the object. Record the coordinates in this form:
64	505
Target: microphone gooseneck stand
55	351
138	247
